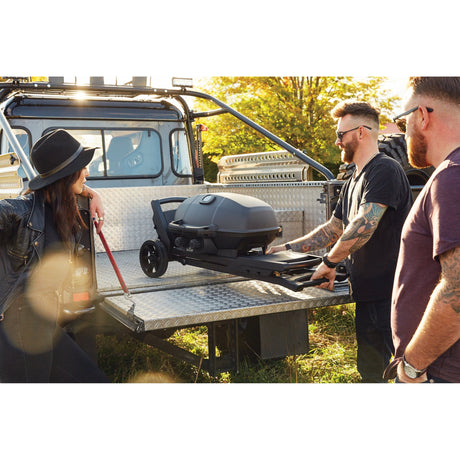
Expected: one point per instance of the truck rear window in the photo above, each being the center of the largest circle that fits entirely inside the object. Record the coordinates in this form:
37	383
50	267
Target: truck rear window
122	152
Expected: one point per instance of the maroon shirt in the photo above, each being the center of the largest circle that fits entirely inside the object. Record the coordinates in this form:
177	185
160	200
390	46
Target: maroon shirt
432	228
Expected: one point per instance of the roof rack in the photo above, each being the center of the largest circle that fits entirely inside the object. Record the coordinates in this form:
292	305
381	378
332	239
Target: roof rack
137	86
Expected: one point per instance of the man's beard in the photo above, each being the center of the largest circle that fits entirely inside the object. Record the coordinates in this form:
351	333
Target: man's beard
348	151
416	150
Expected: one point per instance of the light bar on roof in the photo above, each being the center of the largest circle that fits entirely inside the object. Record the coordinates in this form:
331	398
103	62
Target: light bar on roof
182	82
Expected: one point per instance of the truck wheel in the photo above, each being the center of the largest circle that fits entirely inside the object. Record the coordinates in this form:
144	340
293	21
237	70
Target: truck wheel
153	257
394	145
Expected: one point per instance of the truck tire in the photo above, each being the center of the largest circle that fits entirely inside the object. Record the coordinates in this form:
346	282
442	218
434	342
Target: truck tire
393	145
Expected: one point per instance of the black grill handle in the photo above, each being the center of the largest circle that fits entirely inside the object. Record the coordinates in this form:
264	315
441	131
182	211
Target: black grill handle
309	283
206	230
172	199
160	222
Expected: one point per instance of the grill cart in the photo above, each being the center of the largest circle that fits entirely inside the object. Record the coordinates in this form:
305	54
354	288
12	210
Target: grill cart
226	232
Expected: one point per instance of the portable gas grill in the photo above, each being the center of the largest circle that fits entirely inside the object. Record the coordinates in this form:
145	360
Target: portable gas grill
229	233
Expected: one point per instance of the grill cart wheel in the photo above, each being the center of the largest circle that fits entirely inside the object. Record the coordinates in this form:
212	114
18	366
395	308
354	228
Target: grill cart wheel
153	257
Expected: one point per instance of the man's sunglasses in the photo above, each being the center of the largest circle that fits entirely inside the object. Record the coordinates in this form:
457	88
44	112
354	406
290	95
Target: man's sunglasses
340	134
401	122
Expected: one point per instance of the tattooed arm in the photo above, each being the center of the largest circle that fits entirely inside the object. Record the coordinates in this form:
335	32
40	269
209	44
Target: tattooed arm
440	325
357	233
321	237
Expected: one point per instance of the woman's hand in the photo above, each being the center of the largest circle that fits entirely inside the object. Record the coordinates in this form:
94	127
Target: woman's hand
96	207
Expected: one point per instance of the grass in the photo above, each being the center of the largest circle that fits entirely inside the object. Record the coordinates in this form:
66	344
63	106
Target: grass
331	357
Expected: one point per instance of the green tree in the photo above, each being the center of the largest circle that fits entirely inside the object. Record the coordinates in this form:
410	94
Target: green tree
296	109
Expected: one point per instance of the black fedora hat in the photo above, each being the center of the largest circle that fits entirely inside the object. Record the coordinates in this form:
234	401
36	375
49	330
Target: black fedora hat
55	155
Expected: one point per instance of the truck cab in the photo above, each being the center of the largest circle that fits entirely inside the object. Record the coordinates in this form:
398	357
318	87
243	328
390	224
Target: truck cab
142	142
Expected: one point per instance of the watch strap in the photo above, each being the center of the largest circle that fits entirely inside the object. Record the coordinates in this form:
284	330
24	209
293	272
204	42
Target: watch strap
328	263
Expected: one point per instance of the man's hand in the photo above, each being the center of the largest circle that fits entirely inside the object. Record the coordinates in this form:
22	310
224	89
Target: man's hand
325	272
274	249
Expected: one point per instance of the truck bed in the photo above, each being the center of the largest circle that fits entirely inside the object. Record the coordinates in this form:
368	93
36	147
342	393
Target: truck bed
186	296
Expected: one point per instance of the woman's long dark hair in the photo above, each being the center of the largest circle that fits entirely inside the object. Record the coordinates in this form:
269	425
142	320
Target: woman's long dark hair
63	203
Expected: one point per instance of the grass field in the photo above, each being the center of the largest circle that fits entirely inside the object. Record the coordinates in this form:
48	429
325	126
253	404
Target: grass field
331	357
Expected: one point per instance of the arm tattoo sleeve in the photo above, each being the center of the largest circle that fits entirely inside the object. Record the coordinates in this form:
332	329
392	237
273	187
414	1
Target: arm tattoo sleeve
321	237
449	287
360	229
439	328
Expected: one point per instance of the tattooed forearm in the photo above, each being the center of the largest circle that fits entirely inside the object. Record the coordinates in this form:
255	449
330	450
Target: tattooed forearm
321	237
439	328
449	288
360	229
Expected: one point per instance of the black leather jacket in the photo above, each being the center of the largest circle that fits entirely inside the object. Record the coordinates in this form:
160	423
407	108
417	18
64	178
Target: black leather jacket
22	239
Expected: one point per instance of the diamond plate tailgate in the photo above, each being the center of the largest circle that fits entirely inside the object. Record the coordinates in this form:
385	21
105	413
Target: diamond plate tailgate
187	296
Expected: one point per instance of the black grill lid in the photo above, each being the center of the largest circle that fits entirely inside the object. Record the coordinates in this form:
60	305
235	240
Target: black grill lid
228	212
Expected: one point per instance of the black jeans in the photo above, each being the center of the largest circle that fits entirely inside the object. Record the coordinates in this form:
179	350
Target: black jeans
375	343
34	349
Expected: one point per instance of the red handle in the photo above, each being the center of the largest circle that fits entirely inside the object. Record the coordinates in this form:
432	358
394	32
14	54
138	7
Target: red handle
112	260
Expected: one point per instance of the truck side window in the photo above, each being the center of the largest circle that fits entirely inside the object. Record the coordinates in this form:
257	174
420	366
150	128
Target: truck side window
180	160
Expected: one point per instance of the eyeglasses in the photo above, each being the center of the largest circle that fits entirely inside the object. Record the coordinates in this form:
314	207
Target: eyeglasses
340	134
401	122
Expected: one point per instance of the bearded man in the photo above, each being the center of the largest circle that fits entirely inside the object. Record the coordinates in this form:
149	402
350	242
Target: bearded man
425	313
366	228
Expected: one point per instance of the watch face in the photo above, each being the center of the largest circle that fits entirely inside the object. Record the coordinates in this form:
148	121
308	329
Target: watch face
410	371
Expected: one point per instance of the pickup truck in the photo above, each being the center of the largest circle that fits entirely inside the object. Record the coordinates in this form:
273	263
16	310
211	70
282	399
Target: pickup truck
150	152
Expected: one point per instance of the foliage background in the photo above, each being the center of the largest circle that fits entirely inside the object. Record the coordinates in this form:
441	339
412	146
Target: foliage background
296	109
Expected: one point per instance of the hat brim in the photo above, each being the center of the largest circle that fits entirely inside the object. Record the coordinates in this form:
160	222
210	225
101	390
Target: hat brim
80	162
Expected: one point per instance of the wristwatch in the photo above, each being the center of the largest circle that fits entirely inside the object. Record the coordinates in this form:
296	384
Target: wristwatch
410	370
288	247
328	263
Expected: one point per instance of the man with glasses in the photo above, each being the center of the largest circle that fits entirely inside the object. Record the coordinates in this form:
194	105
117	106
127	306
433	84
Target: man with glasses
426	295
365	227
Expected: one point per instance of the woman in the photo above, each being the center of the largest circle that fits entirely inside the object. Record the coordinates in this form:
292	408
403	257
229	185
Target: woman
43	223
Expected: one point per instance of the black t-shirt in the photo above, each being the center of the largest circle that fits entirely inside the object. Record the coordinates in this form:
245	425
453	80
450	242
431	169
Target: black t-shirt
372	267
